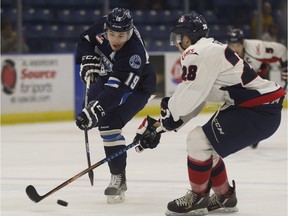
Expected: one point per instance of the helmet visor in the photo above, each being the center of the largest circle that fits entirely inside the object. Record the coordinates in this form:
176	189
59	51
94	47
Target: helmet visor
175	39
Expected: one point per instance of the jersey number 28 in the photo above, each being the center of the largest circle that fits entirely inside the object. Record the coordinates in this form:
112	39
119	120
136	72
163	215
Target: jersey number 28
189	73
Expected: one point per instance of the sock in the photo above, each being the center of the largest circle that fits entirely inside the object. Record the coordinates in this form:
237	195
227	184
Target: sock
118	164
219	178
199	173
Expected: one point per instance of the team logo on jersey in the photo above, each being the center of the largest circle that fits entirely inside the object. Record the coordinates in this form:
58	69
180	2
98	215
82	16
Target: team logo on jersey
135	61
8	76
189	52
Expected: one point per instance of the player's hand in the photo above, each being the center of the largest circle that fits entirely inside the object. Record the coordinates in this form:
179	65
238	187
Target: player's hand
90	66
166	119
146	134
90	115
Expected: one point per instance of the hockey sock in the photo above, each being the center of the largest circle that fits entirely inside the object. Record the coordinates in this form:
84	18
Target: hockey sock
199	173
118	164
219	178
113	142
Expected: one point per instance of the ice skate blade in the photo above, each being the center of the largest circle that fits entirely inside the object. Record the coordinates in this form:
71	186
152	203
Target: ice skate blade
203	211
225	210
114	199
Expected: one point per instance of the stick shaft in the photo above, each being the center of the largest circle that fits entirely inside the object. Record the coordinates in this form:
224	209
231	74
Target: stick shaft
107	159
90	173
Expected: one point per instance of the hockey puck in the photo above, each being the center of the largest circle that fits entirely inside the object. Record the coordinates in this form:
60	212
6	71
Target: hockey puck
62	203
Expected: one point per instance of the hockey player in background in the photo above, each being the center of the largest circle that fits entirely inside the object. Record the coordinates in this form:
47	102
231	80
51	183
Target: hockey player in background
112	53
251	112
259	54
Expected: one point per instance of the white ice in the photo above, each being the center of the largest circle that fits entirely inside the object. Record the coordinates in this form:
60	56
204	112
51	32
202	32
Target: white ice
46	155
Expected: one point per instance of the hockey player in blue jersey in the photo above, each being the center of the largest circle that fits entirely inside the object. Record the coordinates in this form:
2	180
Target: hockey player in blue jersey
251	112
112	54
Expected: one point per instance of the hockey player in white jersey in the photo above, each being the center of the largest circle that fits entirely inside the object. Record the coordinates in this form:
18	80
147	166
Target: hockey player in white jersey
251	112
259	54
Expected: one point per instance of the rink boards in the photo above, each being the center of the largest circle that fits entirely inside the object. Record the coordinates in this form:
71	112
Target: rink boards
46	87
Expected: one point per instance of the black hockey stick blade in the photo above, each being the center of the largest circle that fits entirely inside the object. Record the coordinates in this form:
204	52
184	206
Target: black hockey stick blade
32	194
91	177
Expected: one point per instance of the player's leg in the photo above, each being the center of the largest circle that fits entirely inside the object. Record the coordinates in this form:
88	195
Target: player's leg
228	132
110	127
224	198
199	163
236	128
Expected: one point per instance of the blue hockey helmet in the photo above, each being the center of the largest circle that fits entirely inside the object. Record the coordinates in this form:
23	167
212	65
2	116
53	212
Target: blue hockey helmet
193	25
235	36
119	20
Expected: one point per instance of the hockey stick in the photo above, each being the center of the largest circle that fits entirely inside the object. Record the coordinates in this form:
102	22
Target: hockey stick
35	197
90	173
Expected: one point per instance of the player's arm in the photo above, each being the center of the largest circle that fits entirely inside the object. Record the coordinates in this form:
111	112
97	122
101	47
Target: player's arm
122	82
90	62
198	80
199	73
278	53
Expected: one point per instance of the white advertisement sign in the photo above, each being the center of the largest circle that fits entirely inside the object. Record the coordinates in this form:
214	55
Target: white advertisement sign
173	72
37	83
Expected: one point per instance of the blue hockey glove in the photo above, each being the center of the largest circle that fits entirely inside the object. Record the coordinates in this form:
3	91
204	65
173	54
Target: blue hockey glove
90	115
90	66
146	134
166	119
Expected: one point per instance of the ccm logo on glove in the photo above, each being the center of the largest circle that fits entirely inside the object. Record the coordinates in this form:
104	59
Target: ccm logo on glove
90	66
89	117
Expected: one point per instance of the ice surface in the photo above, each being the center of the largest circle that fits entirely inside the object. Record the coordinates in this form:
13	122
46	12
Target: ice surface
46	155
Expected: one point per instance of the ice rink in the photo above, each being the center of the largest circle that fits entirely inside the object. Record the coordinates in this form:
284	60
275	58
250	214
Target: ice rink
45	155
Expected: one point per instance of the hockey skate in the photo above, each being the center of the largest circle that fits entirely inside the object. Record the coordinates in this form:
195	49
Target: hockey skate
223	203
190	204
115	192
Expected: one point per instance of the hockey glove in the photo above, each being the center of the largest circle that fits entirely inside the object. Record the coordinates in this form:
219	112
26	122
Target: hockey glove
90	115
90	66
166	119
146	134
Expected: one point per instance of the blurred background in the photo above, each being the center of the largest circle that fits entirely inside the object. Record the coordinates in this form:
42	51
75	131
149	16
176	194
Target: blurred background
40	80
53	26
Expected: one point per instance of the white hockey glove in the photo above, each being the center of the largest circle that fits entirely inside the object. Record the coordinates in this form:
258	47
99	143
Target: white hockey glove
90	66
146	134
167	121
90	115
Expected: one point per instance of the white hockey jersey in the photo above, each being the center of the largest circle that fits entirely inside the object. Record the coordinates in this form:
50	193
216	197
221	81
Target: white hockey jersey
258	52
212	72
